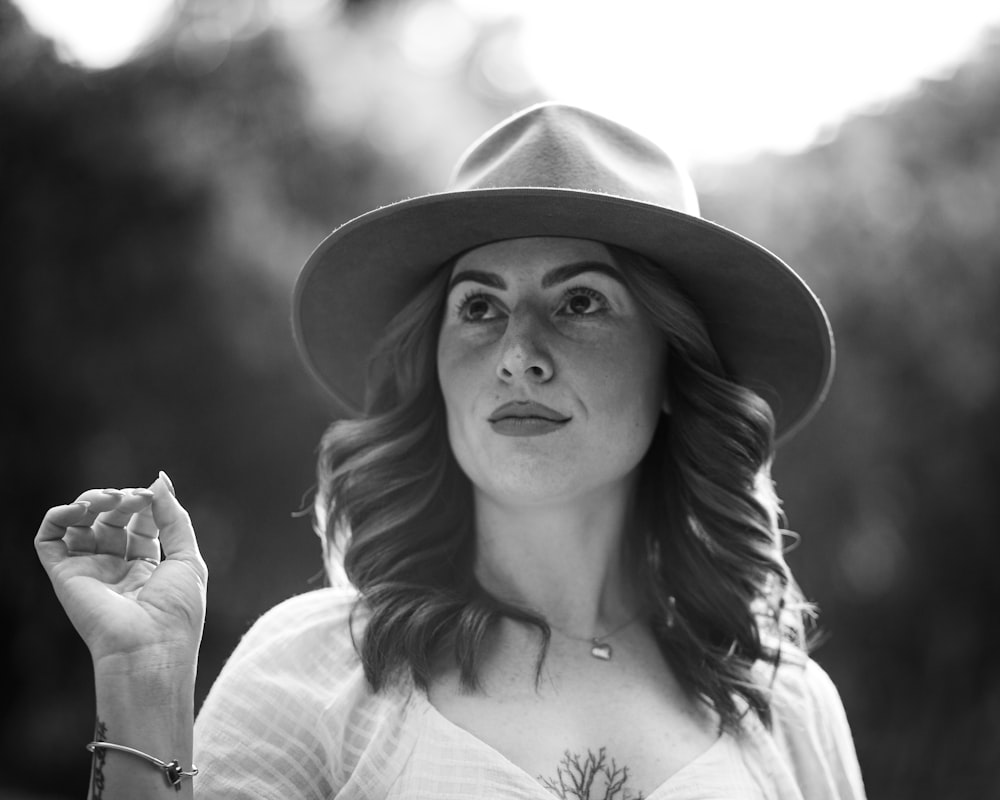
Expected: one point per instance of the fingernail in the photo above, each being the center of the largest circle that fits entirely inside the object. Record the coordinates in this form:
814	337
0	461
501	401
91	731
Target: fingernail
113	492
142	492
84	504
169	483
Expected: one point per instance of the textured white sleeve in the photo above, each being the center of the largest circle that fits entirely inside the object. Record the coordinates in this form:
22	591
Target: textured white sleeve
811	729
261	733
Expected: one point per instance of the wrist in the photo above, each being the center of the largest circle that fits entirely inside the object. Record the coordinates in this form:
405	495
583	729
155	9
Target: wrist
135	691
159	663
162	738
148	688
148	708
173	772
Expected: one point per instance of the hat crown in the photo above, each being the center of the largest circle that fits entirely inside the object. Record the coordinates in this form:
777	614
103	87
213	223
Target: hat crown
552	145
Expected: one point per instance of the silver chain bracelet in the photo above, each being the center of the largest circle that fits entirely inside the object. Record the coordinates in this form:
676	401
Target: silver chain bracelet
172	770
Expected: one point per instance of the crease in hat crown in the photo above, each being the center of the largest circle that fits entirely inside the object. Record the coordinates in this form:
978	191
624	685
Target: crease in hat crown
557	146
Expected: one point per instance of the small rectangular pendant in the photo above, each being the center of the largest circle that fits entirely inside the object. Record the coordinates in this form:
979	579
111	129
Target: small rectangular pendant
601	650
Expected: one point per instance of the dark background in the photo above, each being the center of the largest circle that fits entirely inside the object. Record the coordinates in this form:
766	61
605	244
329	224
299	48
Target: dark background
153	218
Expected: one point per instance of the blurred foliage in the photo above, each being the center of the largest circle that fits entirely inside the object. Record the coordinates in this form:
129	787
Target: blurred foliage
895	222
153	218
144	338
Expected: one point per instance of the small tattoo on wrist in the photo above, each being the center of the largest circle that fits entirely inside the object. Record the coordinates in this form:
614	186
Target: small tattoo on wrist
97	781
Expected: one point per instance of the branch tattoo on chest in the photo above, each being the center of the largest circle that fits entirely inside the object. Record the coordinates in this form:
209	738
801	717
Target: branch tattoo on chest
590	777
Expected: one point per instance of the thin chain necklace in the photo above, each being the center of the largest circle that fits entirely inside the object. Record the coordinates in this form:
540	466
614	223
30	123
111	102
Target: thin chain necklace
599	647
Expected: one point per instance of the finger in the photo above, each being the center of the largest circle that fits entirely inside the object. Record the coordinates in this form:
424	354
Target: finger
176	532
109	539
100	500
58	518
65	530
143	533
110	526
92	539
143	524
142	547
132	502
80	541
49	542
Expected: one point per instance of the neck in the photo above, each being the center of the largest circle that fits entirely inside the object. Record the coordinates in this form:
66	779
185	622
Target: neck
565	561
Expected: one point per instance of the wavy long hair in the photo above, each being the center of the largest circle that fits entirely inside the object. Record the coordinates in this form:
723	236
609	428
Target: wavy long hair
394	512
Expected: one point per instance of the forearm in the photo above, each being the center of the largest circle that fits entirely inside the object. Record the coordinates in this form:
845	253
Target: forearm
141	618
148	708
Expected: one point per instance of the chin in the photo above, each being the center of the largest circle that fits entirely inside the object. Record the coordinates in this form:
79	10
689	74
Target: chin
538	481
544	470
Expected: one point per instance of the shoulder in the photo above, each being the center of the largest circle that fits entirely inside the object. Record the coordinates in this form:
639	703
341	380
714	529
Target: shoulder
811	731
323	620
305	643
264	730
802	693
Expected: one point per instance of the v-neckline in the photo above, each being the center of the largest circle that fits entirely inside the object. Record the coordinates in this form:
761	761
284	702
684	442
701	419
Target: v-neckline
431	713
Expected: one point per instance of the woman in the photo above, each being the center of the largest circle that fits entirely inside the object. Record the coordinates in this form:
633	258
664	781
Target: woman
551	530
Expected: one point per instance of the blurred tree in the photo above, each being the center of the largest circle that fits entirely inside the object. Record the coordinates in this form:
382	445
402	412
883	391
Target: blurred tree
153	218
894	485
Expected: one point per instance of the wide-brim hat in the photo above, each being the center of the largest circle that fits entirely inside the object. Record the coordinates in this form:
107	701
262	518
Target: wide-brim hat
557	170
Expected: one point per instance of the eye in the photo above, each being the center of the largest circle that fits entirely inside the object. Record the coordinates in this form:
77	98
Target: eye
581	301
477	307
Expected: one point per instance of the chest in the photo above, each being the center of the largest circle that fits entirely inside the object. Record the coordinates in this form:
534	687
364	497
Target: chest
588	729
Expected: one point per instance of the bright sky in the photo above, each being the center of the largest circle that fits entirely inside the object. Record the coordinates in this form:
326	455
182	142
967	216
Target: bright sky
711	79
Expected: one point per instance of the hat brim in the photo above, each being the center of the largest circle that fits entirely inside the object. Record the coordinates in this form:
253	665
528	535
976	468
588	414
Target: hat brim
768	327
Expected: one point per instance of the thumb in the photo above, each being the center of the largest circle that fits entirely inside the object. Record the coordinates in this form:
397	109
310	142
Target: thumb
174	523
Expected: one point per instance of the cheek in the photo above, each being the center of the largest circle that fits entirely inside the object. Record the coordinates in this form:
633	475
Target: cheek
634	399
457	376
455	371
629	384
446	373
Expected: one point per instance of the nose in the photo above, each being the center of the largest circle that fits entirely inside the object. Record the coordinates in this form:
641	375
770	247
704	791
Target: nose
523	355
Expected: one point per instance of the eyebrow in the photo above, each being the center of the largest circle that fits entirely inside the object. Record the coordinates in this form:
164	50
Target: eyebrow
551	278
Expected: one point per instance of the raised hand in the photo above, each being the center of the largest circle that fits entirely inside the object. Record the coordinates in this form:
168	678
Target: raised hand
102	554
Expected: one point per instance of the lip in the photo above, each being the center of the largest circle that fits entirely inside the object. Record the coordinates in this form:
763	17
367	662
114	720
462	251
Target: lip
526	418
523	409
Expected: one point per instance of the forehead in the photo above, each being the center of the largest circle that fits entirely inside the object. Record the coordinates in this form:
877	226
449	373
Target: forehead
534	252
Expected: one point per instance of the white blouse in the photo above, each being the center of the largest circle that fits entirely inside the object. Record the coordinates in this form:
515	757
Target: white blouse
291	717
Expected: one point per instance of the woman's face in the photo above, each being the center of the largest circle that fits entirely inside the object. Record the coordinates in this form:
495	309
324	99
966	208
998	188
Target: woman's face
553	376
